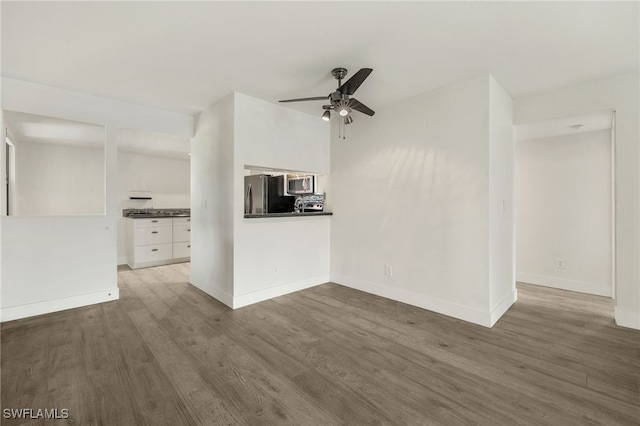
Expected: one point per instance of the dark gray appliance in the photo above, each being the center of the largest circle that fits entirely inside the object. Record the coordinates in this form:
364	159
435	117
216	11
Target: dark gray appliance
265	194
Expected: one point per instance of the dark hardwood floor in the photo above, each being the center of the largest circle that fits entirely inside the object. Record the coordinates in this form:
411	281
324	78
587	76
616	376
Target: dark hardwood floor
166	353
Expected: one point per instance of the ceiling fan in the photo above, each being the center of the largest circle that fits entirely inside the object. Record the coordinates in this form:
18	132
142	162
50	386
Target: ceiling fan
340	101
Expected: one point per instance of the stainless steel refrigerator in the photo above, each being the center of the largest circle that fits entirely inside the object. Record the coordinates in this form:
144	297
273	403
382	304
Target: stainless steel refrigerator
265	194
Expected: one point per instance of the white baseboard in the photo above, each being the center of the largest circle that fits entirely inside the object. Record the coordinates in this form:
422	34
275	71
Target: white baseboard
503	307
279	290
598	289
465	313
221	296
48	306
123	260
626	318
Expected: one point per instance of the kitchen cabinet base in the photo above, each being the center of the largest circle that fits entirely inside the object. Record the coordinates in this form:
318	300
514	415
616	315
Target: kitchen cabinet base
141	265
158	241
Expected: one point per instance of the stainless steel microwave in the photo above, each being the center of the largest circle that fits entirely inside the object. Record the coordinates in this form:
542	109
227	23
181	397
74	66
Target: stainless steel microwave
300	184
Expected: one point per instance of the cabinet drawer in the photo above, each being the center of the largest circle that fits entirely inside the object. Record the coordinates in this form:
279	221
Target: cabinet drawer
152	222
153	253
158	235
181	233
182	221
181	250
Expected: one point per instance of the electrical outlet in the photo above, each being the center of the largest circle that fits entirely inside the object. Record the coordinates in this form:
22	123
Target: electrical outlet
559	263
388	270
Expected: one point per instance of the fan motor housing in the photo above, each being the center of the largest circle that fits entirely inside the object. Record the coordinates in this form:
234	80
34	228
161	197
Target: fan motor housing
337	97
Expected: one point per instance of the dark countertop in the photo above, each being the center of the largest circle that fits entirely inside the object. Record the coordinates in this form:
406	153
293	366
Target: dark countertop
269	215
149	213
147	216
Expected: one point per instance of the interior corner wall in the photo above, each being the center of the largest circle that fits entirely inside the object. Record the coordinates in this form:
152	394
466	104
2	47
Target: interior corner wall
212	201
411	190
502	289
564	212
621	93
53	263
276	256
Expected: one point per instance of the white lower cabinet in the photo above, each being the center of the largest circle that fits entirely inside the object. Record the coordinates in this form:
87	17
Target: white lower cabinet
181	233
158	241
181	250
181	237
148	236
153	253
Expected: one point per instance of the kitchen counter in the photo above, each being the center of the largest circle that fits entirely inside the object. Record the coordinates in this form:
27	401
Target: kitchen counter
155	213
158	237
269	215
148	215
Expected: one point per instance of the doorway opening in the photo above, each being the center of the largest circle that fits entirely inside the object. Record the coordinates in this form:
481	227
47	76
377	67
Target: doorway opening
565	203
9	172
154	196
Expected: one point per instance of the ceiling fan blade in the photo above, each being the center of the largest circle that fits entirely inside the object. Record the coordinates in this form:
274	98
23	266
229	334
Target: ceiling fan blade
317	98
359	106
355	81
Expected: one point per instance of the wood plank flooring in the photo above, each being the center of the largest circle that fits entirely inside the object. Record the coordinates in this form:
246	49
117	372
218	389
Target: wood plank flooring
166	353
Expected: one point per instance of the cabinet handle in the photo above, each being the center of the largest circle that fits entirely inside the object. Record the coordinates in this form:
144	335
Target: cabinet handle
154	249
154	232
188	246
154	221
189	230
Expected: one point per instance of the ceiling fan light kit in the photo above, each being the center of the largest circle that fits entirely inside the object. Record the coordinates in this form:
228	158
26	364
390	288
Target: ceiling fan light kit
340	100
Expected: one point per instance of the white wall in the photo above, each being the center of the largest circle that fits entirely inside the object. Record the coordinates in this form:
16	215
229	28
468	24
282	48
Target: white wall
410	188
53	179
502	290
274	136
3	201
278	255
54	263
242	261
622	94
563	187
212	200
167	177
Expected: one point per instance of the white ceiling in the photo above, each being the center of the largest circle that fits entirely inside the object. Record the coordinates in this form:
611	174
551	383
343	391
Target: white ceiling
182	56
